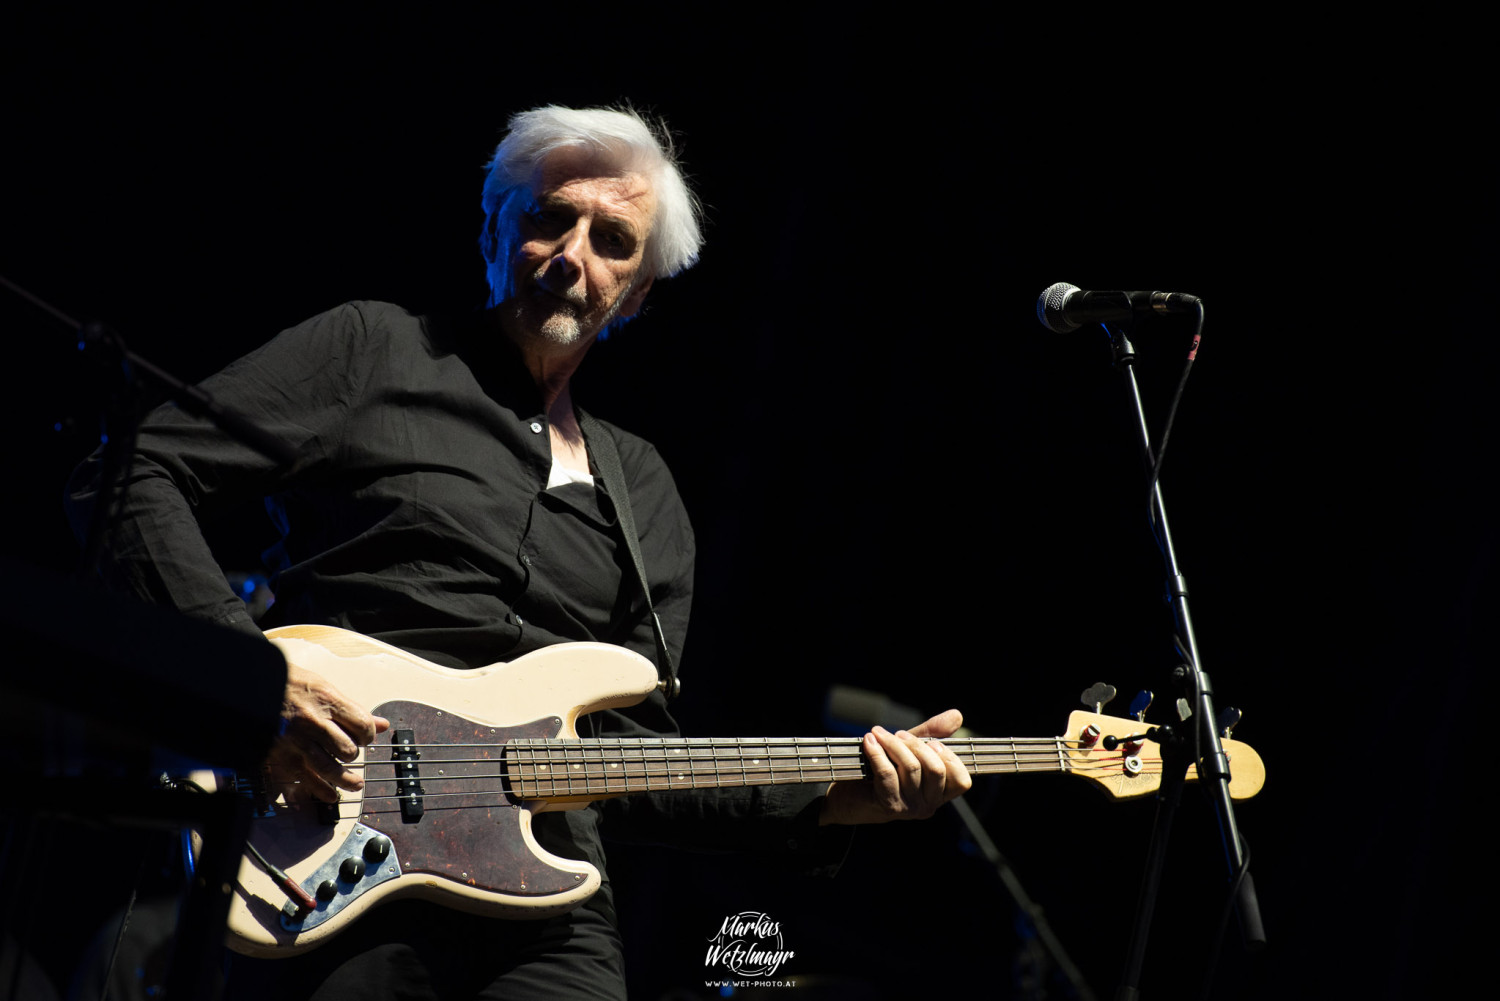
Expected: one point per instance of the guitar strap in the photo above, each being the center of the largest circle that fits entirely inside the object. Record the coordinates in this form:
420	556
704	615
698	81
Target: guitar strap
607	458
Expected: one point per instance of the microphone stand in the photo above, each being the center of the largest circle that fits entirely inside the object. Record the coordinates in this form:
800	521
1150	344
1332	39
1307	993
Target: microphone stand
223	817
850	710
1207	749
126	405
1028	908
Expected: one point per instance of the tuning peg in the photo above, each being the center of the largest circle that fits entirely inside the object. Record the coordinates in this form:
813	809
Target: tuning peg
1098	696
1184	710
1140	704
1229	716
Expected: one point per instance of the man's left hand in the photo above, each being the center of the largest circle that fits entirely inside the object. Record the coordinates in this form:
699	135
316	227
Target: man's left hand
910	776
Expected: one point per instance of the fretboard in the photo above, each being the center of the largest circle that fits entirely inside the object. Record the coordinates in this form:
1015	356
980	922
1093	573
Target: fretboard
543	769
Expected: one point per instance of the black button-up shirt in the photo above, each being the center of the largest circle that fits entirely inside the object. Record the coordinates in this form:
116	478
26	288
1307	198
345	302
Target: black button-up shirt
417	513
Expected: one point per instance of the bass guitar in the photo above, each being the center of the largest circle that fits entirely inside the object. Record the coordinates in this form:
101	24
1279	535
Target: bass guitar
471	756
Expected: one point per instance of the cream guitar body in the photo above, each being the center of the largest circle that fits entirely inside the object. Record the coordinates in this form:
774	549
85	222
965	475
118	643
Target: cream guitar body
471	847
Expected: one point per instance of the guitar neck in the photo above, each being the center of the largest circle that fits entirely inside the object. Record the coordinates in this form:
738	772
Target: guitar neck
560	769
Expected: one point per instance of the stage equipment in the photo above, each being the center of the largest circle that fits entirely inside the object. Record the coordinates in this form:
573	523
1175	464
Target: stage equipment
114	692
855	710
1062	307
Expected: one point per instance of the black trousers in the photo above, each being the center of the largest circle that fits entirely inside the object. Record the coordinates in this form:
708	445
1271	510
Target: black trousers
417	951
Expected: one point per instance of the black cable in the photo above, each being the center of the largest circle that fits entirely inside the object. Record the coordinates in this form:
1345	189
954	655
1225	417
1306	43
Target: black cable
1166	434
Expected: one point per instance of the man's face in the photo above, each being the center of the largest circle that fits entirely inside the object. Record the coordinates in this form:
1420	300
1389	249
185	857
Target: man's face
574	251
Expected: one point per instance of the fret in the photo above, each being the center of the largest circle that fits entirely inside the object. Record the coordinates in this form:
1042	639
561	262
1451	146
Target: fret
676	759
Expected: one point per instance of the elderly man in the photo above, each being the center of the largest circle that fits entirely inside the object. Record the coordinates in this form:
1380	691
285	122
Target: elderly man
448	499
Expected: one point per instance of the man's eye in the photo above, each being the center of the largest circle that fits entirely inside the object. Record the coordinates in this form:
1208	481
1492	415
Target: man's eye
546	219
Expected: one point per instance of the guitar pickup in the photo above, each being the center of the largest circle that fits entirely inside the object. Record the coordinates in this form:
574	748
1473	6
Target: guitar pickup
409	790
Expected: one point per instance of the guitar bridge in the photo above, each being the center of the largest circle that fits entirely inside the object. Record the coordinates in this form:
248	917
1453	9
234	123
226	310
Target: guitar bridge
253	788
409	790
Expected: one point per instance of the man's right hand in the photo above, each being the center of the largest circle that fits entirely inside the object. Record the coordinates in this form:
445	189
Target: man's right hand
323	731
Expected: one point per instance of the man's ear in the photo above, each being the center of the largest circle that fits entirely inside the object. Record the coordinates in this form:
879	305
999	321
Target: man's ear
637	296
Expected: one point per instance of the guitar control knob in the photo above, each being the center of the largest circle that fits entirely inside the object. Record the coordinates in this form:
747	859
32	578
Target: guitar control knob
377	848
351	870
327	890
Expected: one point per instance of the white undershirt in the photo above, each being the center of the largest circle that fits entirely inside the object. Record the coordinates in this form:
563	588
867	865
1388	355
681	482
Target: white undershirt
563	475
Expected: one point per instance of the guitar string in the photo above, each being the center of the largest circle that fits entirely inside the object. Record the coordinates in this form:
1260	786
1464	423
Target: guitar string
726	777
568	752
673	780
628	781
703	764
834	755
843	742
501	791
749	776
707	763
563	750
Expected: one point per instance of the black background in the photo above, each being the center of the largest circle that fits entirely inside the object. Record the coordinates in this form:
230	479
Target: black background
898	479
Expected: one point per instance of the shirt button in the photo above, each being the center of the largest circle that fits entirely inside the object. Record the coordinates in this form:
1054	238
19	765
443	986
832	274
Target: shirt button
536	428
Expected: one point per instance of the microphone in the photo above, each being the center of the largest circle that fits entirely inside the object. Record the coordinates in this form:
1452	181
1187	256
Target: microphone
1063	308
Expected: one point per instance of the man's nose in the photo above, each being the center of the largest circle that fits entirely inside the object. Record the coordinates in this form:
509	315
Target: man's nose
569	255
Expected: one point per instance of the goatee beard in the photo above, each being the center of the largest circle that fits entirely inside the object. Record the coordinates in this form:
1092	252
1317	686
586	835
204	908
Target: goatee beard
544	317
561	329
562	323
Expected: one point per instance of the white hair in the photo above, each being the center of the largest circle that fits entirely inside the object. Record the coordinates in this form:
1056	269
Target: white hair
627	143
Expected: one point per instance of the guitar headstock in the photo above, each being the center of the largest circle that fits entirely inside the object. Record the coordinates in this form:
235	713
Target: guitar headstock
1135	769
